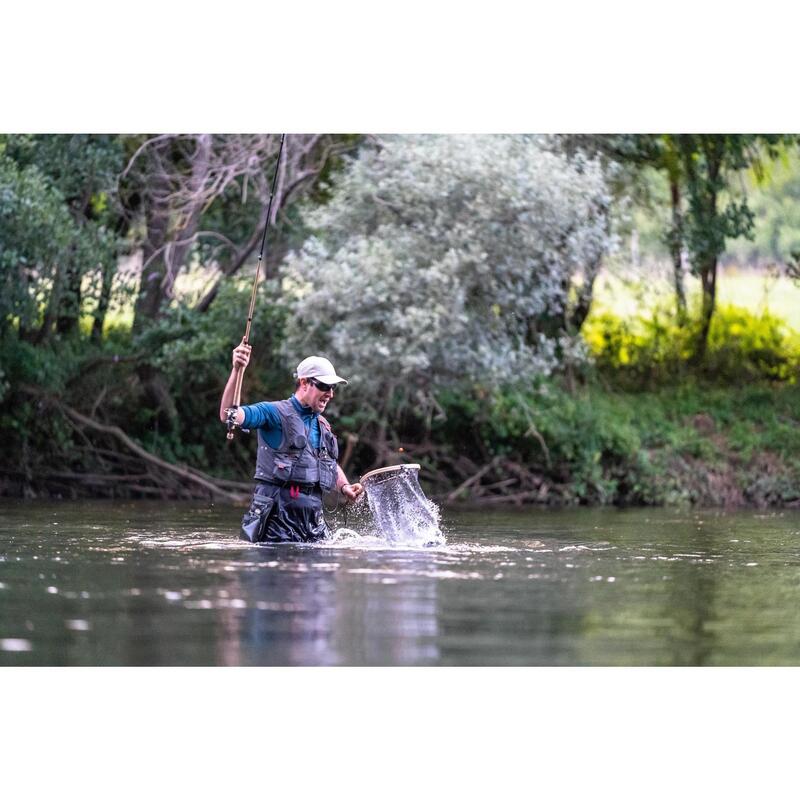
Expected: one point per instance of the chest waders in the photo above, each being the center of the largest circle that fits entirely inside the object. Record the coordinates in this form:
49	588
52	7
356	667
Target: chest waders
290	482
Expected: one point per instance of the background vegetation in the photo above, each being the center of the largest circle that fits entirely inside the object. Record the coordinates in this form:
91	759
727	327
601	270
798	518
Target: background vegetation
534	319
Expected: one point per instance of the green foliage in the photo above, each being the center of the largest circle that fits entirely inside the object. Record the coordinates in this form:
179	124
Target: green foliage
54	224
83	168
442	258
430	279
588	443
192	351
684	444
775	201
35	231
706	210
654	350
706	164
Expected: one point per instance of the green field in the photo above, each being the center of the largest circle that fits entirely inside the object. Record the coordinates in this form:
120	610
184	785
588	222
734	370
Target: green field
626	297
755	291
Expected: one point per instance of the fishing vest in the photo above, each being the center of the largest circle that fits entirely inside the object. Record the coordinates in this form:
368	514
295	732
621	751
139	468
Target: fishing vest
294	461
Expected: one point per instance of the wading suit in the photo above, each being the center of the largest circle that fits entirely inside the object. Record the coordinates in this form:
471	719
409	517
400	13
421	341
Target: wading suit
296	465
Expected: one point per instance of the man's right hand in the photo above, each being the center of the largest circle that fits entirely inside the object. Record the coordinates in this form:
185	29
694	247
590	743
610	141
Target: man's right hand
234	416
241	356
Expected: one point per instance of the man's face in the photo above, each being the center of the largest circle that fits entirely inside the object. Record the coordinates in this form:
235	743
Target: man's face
314	396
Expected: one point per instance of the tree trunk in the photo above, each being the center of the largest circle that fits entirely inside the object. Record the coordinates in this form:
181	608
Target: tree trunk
708	266
703	184
708	280
108	272
583	304
676	247
64	304
184	235
151	285
51	312
27	332
164	250
69	306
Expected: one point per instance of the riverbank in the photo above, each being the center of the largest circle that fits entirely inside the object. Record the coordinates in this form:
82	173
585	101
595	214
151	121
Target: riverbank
635	421
687	445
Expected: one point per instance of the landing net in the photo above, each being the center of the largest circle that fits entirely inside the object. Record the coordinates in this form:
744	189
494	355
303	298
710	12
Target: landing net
402	513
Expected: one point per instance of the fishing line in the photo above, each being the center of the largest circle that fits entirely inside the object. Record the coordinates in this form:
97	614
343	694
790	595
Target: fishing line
237	395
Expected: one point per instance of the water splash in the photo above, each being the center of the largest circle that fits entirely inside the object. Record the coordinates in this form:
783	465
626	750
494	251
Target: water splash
401	513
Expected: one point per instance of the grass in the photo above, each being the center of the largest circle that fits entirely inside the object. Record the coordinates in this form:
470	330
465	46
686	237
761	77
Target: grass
749	289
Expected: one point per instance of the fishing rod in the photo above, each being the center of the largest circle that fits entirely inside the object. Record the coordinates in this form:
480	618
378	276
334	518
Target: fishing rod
237	395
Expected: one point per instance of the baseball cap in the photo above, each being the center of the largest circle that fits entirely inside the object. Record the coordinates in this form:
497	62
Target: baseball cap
318	367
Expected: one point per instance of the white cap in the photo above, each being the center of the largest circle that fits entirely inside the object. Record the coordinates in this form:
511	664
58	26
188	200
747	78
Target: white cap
320	368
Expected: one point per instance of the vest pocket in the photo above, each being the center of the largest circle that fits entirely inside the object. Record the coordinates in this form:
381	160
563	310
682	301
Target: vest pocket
281	469
327	474
254	521
333	447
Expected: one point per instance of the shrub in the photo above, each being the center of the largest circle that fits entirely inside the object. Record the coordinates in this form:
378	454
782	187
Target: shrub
655	350
443	259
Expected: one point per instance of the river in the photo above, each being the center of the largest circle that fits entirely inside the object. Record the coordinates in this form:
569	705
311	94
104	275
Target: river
102	583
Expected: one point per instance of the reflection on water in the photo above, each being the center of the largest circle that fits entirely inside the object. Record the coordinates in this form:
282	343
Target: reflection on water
140	584
324	612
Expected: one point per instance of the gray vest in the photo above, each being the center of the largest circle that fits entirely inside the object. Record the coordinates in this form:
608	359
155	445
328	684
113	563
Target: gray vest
294	461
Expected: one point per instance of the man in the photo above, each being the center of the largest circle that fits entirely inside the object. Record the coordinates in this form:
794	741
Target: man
297	454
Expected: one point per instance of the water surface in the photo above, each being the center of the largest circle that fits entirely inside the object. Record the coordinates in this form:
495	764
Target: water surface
101	583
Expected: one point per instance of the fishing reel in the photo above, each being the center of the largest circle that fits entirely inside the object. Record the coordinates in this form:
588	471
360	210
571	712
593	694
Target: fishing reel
230	420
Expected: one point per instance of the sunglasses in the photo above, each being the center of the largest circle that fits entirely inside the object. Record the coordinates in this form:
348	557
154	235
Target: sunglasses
323	387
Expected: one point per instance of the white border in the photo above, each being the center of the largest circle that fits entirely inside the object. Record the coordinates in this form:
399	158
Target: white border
577	66
398	732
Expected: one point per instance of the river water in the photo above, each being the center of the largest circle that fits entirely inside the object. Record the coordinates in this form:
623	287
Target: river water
100	583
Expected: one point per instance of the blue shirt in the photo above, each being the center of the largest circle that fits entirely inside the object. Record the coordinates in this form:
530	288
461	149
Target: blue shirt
266	419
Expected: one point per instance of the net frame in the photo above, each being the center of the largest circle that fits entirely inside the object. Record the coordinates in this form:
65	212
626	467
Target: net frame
383	474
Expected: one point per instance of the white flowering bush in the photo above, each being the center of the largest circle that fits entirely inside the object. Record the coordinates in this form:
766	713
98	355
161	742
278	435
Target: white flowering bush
447	260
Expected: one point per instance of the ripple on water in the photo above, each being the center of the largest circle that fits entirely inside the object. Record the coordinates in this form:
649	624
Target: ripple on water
416	573
187	544
16	645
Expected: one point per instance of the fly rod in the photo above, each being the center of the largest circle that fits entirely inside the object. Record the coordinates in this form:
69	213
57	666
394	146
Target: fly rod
237	396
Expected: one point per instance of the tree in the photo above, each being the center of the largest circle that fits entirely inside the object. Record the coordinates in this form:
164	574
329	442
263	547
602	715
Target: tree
448	261
81	170
35	231
704	212
633	154
177	187
707	162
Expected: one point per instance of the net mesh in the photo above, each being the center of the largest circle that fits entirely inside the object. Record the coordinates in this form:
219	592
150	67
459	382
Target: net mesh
400	510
